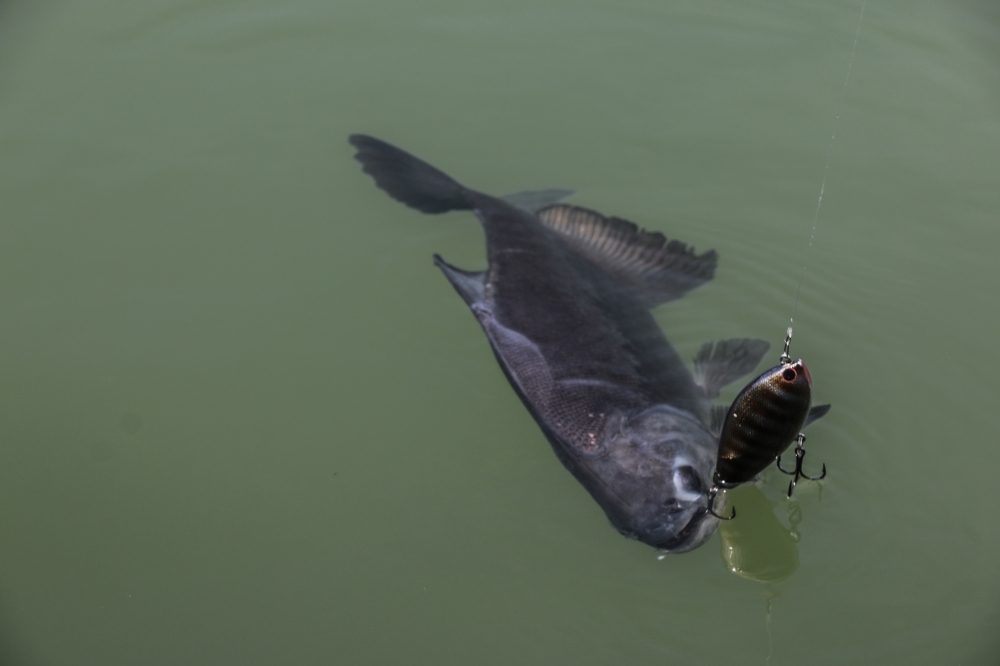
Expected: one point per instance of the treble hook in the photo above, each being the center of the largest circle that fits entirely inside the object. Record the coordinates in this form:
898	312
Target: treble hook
800	454
711	504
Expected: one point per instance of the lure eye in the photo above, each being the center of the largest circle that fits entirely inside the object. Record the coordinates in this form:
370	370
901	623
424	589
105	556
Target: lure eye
788	374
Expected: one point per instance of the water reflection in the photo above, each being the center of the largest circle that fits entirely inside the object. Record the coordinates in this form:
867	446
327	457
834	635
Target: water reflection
756	545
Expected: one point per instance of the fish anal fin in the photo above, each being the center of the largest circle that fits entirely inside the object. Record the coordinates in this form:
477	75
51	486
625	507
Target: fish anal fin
654	269
469	285
722	362
816	413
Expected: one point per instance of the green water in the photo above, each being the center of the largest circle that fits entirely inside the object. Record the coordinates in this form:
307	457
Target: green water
244	420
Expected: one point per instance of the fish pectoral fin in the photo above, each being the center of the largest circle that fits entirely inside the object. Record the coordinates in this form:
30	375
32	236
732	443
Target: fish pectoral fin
647	265
816	413
722	362
533	201
716	419
468	285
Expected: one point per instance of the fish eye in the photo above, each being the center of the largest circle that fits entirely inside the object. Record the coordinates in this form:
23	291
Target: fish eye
688	483
788	374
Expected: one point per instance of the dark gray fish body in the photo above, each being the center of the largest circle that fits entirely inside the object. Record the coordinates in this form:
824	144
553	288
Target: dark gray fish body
565	304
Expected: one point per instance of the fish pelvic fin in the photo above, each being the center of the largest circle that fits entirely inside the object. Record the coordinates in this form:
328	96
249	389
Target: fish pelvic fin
716	418
720	363
533	201
652	268
816	413
468	285
408	179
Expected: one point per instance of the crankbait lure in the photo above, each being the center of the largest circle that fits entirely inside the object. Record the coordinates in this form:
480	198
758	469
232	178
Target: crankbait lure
766	417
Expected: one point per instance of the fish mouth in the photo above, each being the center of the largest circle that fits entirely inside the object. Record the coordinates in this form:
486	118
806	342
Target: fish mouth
682	541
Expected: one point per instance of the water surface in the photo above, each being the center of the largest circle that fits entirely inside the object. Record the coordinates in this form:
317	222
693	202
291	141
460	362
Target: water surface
245	420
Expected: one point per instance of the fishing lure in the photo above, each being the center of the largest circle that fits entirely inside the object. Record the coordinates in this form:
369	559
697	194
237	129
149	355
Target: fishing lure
766	417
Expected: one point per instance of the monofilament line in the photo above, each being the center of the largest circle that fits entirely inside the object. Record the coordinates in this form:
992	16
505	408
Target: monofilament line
826	169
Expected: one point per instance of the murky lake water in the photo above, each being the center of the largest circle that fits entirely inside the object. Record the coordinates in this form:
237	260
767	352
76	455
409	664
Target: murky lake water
245	420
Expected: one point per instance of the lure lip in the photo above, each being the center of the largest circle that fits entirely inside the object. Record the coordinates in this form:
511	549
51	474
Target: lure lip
802	364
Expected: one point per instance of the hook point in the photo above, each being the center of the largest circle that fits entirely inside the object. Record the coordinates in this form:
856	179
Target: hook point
712	494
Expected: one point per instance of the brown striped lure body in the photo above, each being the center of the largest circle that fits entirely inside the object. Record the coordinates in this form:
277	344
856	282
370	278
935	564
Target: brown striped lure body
764	420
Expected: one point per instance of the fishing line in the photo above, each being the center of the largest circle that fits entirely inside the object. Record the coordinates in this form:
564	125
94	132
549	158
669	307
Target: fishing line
767	624
826	171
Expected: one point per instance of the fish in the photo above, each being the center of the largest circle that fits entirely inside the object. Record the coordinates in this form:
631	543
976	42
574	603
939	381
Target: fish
565	303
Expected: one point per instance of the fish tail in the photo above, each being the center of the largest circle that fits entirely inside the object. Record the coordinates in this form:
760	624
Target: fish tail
408	179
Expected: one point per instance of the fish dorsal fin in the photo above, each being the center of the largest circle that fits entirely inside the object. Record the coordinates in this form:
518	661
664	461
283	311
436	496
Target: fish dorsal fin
722	362
656	270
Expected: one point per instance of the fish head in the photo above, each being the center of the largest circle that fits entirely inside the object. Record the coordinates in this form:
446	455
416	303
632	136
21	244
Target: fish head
661	464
